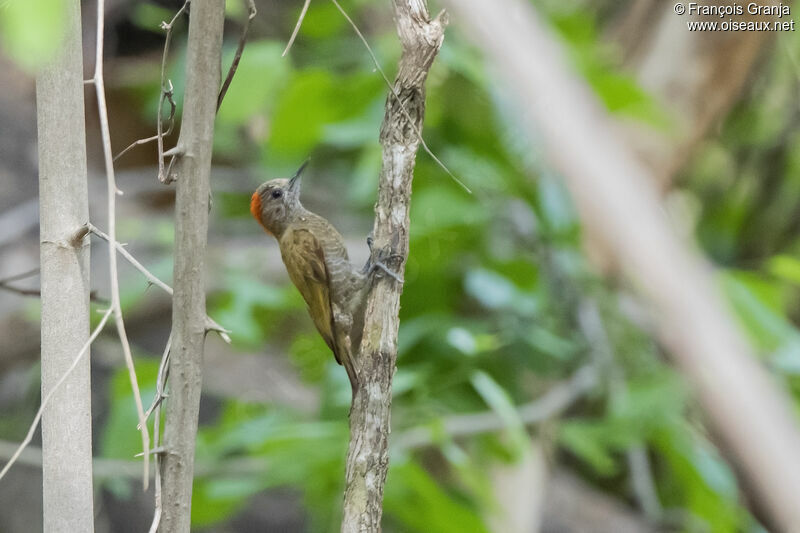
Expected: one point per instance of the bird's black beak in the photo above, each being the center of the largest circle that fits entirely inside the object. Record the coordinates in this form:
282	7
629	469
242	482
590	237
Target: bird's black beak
294	183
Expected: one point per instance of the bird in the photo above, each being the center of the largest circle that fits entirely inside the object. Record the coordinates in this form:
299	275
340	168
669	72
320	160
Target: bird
317	262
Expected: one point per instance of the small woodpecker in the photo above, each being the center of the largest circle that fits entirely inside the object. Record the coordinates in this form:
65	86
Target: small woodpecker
317	262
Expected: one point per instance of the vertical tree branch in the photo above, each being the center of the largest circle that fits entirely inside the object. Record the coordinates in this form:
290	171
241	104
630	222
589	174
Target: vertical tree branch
617	199
203	74
64	207
367	456
111	193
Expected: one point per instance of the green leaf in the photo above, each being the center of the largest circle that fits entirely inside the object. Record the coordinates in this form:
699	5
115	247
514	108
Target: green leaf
247	303
322	20
357	131
501	403
697	479
595	442
496	292
462	340
119	438
262	73
150	16
785	267
759	306
31	31
650	402
546	341
303	108
440	209
415	500
313	100
214	500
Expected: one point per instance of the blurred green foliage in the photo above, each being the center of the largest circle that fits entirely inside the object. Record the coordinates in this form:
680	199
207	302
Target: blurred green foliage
495	282
31	30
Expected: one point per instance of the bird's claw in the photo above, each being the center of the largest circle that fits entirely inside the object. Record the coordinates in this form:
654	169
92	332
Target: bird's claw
391	273
377	260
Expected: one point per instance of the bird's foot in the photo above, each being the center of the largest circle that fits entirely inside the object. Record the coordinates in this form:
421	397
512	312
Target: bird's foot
391	273
378	259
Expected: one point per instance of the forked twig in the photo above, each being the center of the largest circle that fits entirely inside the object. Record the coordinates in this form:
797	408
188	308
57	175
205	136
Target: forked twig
167	26
161	382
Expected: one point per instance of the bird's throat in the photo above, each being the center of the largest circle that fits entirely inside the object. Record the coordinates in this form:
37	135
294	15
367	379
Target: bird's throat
255	210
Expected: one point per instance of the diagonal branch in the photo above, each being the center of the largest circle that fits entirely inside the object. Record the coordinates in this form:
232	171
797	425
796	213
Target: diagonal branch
251	14
53	389
367	457
211	324
5	283
302	16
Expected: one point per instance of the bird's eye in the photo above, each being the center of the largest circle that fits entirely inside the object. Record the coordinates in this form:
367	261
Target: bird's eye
277	194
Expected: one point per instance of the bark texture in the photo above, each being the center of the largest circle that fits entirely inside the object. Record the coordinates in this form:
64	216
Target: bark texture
367	457
616	196
193	171
64	208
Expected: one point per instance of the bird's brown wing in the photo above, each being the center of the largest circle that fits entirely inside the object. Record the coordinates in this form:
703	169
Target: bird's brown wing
305	261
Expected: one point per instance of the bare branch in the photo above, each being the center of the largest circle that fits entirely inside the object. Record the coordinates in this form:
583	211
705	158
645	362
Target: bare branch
4	283
251	14
22	275
52	391
166	87
165	93
296	27
37	293
211	325
112	224
617	199
161	382
18	290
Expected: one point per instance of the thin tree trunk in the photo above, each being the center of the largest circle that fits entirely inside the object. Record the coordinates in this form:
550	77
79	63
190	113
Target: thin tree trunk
616	196
64	208
367	456
191	228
